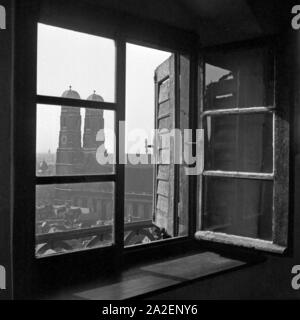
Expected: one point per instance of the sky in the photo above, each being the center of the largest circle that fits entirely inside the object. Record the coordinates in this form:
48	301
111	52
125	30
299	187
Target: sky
87	63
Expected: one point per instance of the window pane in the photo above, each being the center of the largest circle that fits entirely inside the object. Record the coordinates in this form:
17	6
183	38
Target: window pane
141	63
238	207
68	58
241	78
239	143
74	141
150	105
73	217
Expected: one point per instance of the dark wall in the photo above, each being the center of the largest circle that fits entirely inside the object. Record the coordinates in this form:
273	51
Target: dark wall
6	82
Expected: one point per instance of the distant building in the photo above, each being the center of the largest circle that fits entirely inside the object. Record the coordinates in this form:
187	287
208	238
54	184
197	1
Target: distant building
76	157
43	168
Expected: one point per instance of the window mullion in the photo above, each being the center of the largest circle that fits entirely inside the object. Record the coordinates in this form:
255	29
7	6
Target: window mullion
250	110
88	104
42	180
237	174
120	145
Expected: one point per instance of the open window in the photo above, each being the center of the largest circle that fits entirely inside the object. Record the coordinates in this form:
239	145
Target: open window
155	184
79	155
243	188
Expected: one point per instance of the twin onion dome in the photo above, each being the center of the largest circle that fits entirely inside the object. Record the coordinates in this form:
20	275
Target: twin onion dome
72	94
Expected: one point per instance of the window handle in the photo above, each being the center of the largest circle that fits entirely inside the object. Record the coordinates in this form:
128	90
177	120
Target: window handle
148	146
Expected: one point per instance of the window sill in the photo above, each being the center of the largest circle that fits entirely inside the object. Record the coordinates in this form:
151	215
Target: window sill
148	279
238	241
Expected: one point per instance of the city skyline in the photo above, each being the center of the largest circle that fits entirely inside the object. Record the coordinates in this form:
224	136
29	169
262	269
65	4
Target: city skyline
88	64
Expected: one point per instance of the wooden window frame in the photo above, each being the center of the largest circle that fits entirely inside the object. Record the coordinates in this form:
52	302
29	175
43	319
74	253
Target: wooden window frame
116	178
280	174
33	275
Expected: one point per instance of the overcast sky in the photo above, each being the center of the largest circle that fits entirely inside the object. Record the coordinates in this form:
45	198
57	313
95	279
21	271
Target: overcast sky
87	63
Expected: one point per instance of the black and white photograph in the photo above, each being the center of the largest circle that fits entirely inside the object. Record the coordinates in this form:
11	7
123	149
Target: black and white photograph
149	152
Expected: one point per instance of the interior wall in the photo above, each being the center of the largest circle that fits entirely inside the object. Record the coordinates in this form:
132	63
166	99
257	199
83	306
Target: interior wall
6	83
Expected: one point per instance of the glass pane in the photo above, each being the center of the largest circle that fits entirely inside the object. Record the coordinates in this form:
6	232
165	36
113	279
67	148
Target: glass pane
239	143
73	217
241	78
68	58
149	105
141	63
238	207
74	141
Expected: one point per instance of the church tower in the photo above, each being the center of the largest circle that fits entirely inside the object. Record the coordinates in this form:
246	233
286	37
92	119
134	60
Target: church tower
93	122
69	152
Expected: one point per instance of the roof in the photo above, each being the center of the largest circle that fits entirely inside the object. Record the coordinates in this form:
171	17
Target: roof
71	94
95	97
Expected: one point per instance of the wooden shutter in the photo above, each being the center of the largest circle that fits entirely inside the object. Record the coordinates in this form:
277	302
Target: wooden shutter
164	174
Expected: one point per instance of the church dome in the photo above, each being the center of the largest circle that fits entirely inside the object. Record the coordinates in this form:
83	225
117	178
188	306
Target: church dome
95	97
71	94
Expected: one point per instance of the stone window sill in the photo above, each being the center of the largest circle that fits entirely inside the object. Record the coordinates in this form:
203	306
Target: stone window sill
152	278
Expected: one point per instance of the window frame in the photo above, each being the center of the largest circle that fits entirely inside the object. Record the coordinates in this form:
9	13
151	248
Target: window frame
280	174
31	274
116	178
